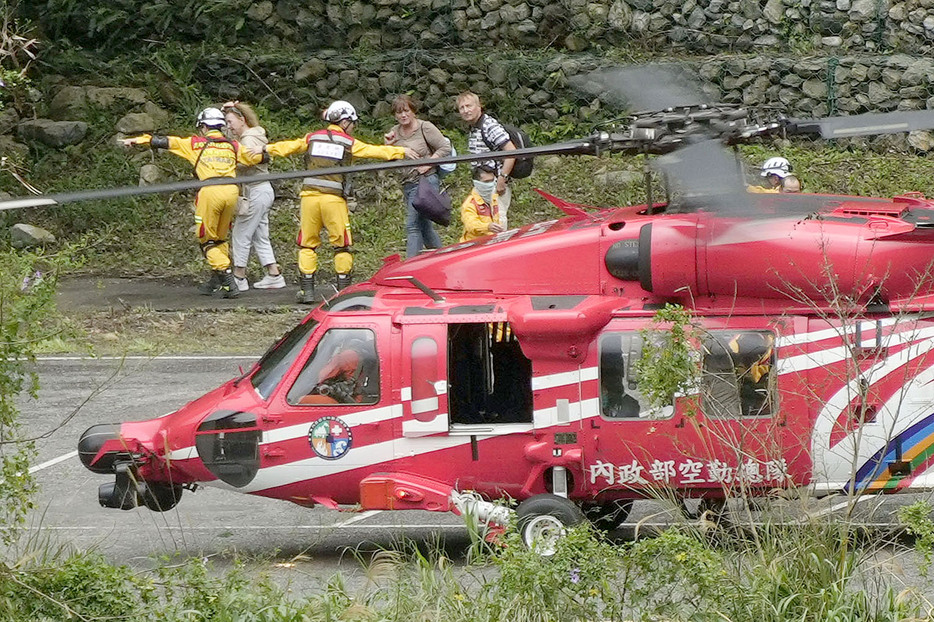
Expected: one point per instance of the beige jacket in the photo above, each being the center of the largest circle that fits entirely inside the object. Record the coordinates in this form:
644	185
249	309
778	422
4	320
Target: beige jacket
252	138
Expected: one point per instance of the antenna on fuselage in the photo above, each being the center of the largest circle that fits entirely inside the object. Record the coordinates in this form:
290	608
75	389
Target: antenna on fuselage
414	281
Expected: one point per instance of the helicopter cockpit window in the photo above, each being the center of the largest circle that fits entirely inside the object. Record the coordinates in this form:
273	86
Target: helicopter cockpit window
490	377
343	369
620	397
739	374
352	301
279	358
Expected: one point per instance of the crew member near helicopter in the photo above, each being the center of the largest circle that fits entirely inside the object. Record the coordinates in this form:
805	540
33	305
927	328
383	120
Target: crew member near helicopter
212	155
323	200
480	210
791	184
774	170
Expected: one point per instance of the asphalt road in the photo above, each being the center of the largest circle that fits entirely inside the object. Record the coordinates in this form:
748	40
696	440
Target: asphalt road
298	546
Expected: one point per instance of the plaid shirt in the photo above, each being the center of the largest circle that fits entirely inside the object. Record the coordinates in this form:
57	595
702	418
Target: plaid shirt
491	129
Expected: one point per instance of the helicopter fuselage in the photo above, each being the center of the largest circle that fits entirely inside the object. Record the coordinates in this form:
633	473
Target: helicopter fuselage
509	366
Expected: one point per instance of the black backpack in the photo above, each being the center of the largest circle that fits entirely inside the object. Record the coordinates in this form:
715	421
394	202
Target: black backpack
523	166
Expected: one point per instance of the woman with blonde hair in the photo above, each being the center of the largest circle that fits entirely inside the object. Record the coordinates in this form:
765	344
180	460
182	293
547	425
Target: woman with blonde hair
251	227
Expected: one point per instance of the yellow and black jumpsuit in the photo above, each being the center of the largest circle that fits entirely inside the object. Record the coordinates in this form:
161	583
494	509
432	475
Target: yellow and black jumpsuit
212	155
323	203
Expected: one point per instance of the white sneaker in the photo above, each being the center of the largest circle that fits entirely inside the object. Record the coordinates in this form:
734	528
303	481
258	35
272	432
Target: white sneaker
270	282
242	284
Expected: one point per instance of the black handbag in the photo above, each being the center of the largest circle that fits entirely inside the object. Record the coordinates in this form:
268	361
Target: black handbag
432	204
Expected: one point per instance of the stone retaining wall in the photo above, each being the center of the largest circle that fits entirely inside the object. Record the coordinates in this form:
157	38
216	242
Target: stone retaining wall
535	89
697	26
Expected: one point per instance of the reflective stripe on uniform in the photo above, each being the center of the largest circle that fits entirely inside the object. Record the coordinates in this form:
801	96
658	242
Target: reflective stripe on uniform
320	182
334	137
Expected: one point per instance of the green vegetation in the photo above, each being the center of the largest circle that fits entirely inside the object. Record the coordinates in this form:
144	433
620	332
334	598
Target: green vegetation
27	289
805	573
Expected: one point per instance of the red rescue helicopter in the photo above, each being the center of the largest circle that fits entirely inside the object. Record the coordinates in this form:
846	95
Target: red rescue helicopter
508	366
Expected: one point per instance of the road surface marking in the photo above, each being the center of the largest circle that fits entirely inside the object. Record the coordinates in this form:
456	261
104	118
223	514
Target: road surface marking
53	462
358	518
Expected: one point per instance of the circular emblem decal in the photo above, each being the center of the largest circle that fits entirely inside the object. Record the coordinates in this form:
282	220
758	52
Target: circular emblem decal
330	438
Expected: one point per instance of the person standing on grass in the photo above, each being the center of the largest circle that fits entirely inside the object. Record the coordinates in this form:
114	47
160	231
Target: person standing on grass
251	228
213	155
323	203
427	141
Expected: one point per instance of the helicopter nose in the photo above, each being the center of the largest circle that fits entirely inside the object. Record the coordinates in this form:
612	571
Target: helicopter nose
91	443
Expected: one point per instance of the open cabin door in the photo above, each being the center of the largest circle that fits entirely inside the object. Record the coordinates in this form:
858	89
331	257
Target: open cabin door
424	379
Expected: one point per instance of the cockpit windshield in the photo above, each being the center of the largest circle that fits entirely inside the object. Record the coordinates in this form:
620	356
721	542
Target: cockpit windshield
351	301
278	359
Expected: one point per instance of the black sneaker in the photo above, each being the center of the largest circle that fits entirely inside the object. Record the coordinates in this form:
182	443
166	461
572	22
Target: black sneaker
229	289
211	285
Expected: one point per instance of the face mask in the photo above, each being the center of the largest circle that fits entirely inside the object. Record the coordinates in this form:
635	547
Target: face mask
485	189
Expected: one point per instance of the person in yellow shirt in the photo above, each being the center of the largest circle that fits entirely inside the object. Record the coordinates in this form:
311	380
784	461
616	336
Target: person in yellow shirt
212	155
480	210
323	200
774	170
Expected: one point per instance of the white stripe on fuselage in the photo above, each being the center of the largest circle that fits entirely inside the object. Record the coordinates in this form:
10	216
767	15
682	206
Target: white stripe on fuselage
839	353
360	417
828	333
311	468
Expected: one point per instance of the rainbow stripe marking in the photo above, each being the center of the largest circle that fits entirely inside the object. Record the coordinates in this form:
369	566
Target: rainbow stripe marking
917	448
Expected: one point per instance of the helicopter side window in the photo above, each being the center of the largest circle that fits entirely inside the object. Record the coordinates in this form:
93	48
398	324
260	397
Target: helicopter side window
739	374
620	397
343	369
490	377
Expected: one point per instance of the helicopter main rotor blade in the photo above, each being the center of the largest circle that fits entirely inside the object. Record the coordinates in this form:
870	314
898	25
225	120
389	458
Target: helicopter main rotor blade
706	176
643	87
570	147
864	124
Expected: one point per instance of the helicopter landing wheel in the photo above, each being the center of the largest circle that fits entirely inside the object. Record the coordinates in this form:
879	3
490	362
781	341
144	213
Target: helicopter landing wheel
543	520
608	515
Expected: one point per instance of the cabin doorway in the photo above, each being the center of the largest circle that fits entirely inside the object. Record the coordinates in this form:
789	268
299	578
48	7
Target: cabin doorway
490	377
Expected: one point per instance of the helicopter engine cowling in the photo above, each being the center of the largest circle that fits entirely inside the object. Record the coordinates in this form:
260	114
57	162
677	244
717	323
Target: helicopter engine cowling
664	261
841	254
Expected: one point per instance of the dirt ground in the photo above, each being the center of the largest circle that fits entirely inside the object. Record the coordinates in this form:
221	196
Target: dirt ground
155	316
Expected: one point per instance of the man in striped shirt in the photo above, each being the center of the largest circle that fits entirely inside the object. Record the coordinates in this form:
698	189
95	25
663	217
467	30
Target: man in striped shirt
486	135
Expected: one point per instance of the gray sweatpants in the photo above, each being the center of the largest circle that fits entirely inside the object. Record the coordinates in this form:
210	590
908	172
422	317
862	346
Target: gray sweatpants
253	230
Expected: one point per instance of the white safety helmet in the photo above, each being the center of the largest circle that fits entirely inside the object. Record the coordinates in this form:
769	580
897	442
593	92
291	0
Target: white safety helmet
211	117
340	110
776	166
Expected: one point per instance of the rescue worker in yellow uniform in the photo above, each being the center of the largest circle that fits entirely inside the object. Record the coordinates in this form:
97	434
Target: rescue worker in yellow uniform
774	171
323	200
212	155
480	210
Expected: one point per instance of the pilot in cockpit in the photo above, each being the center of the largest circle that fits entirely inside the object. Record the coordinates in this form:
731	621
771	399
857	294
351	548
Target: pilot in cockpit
350	376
